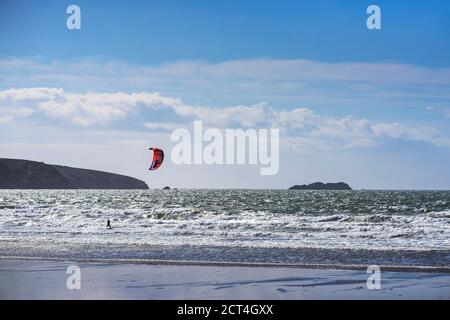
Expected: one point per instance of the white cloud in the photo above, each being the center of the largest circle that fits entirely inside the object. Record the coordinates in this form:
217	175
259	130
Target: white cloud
31	94
81	109
169	126
400	131
238	81
305	129
439	110
6	119
93	108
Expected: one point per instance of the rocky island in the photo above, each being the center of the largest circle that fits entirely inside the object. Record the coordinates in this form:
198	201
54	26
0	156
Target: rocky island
322	186
25	174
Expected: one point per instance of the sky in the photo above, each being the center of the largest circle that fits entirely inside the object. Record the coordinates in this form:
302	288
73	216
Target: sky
368	107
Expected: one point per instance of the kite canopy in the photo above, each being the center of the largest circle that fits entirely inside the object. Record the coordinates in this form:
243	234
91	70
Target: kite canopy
158	158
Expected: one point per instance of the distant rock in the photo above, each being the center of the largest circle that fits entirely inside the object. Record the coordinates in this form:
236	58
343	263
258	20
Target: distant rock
166	188
322	186
25	174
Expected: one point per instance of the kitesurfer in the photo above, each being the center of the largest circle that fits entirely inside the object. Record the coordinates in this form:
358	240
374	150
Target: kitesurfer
108	224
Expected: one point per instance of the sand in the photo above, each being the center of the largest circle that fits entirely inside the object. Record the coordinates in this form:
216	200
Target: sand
38	279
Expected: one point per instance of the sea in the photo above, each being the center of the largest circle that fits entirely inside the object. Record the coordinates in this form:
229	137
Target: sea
406	229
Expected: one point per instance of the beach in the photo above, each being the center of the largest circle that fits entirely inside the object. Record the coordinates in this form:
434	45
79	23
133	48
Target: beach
224	244
44	279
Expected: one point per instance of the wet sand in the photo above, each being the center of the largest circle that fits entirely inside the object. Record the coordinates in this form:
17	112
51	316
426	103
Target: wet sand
40	279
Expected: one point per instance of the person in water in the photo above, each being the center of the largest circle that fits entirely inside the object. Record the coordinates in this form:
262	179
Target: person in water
108	224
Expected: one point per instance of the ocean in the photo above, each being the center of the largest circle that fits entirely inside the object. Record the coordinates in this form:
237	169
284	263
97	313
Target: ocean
286	227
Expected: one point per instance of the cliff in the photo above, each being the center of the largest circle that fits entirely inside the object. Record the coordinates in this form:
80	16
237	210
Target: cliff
25	174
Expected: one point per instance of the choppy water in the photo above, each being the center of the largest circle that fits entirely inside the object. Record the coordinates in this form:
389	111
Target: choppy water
266	220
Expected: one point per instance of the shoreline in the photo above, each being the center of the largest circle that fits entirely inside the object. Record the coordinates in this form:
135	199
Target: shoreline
350	259
31	278
152	262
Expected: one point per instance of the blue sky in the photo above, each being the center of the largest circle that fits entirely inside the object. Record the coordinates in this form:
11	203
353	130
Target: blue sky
370	107
153	32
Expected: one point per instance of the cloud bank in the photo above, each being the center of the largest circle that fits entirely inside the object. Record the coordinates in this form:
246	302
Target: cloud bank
301	128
